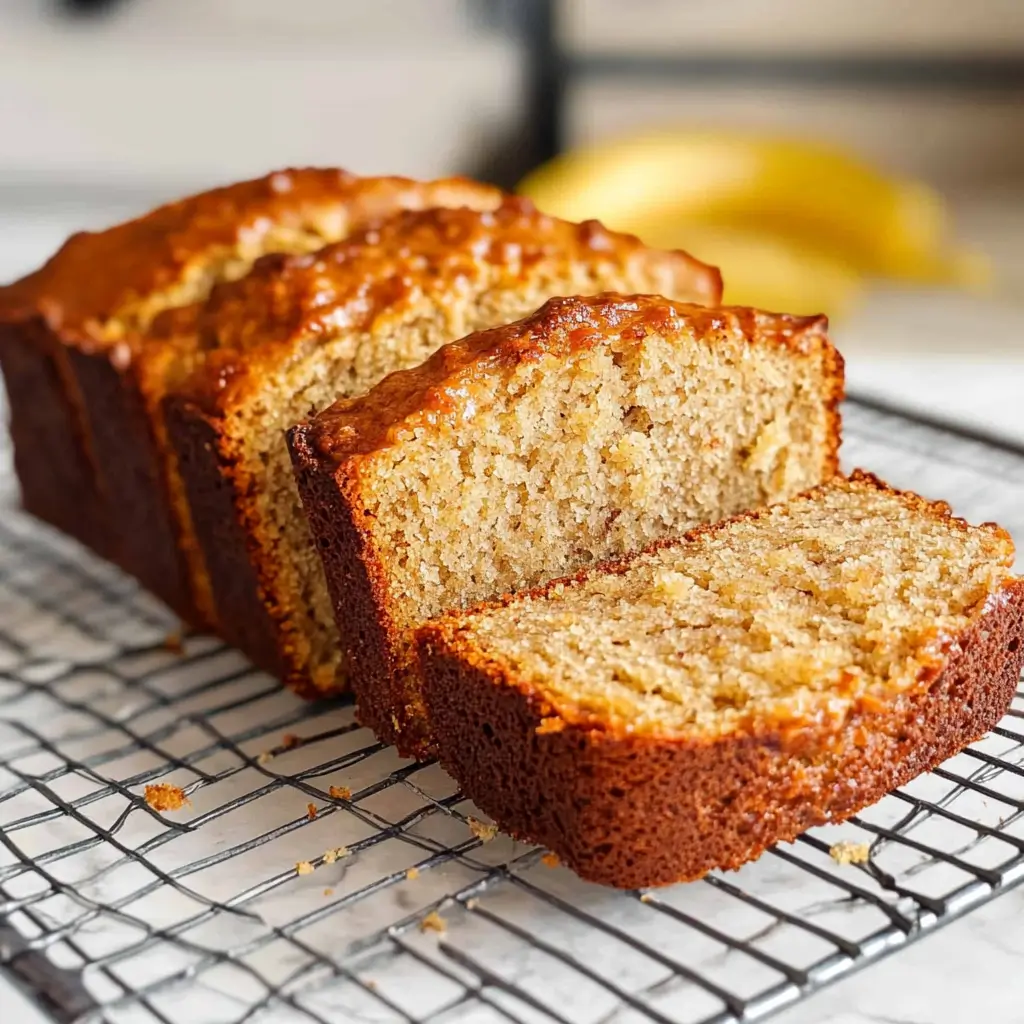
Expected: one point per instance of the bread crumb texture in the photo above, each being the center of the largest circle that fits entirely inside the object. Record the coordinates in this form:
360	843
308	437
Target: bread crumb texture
338	853
162	796
412	873
303	867
585	431
845	595
340	792
311	811
550	860
846	851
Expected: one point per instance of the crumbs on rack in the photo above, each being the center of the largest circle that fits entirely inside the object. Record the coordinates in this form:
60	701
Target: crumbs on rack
339	792
433	922
174	642
846	851
481	829
162	796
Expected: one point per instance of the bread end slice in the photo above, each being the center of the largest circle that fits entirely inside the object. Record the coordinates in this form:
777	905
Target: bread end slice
631	797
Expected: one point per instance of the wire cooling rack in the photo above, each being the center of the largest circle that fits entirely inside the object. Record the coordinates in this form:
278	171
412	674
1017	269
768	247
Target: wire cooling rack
315	876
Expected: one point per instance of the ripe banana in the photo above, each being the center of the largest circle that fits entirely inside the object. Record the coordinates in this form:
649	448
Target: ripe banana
790	221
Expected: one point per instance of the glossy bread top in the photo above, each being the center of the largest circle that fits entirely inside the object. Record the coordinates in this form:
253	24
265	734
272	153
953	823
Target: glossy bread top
107	283
289	304
446	386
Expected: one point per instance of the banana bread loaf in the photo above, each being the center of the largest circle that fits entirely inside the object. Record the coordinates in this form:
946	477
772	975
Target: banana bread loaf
583	432
684	709
298	332
86	369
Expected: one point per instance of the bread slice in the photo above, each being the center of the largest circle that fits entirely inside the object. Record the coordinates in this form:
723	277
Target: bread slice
583	432
299	332
686	708
86	369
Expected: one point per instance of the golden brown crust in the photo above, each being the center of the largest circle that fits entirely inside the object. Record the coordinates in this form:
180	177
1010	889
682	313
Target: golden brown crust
122	273
634	811
288	303
437	390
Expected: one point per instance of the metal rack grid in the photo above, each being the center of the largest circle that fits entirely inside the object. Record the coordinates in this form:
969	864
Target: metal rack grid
229	909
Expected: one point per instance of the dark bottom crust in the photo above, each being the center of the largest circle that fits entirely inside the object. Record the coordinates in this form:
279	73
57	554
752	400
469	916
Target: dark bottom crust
632	812
132	477
243	619
52	457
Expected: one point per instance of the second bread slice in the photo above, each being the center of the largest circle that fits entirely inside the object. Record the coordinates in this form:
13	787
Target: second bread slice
582	432
684	709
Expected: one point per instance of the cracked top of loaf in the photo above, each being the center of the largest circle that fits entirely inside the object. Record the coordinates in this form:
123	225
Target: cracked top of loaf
101	286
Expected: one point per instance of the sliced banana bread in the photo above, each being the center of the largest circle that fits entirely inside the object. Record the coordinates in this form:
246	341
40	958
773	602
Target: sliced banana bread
299	332
583	432
686	708
85	367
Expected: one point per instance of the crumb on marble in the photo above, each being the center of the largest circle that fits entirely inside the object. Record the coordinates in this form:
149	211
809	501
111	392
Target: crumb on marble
481	829
174	642
550	860
848	852
162	796
328	892
433	922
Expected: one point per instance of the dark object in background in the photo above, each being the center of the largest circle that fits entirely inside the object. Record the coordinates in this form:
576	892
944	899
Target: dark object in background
80	8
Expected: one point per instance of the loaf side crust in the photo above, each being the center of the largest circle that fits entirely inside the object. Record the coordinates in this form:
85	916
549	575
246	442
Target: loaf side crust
357	584
53	458
243	620
633	811
329	452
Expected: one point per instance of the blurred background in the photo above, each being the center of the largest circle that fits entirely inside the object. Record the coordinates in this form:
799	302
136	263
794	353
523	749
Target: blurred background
862	157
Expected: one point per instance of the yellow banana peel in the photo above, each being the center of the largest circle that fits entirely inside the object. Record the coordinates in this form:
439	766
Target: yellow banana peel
765	271
785	219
